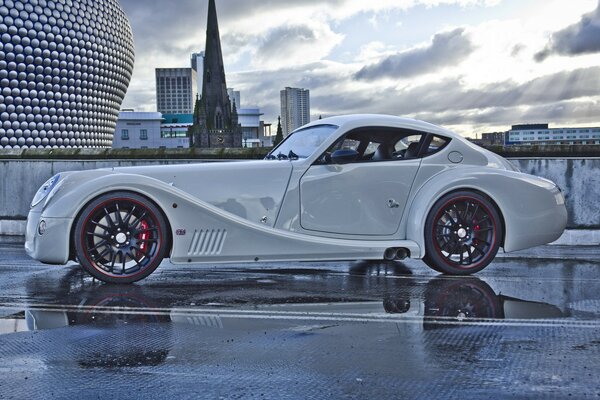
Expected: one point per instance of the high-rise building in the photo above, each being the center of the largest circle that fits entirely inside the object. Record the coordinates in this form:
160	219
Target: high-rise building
295	109
176	90
215	119
198	67
235	97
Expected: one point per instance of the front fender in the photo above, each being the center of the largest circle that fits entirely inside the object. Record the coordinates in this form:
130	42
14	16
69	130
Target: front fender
529	206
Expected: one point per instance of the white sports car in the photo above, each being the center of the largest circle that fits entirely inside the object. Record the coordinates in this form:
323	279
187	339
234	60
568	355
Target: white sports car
343	188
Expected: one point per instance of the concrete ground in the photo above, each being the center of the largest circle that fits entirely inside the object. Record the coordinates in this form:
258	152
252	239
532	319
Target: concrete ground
526	327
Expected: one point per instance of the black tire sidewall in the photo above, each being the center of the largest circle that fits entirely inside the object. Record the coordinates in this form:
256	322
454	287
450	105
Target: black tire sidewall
79	230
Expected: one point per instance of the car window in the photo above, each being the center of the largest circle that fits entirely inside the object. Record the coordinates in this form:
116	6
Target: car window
437	143
302	143
377	144
405	142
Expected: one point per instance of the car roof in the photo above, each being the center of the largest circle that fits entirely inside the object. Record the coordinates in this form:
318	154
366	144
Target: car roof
353	121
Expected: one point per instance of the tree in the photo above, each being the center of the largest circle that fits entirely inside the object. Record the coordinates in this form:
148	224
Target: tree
279	135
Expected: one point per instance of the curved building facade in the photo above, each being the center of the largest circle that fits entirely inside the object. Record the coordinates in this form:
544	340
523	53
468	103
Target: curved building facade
65	66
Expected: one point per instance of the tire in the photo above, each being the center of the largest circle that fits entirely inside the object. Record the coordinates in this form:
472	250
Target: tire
120	237
463	233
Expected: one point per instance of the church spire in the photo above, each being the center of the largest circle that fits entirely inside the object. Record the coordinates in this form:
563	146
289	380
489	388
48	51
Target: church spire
216	125
214	70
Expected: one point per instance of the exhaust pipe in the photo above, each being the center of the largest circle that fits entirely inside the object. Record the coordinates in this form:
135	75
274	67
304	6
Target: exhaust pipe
390	254
401	254
395	254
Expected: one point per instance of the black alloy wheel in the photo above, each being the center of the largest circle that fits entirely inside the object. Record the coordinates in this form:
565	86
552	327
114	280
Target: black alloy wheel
120	237
463	233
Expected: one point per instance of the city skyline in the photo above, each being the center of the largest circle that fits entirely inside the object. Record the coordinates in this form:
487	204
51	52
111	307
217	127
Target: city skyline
472	66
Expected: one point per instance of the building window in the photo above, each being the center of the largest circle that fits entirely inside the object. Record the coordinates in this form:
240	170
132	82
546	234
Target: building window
143	134
125	134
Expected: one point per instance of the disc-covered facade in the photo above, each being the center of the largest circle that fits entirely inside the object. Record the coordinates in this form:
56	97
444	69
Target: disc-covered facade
65	66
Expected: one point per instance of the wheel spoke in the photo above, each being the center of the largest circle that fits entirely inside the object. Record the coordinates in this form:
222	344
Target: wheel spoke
105	237
138	219
105	252
450	216
470	253
119	219
138	250
485	217
466	213
109	218
128	216
130	255
99	225
113	260
479	250
123	261
474	214
102	243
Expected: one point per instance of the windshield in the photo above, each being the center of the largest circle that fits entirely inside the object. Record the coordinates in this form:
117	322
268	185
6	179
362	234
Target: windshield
302	143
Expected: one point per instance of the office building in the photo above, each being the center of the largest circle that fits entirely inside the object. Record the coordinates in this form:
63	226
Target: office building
541	134
198	67
176	90
295	109
235	97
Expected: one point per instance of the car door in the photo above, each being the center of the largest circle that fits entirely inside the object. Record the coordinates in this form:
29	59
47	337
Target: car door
364	197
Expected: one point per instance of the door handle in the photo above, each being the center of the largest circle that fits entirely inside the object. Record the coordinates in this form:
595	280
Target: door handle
393	203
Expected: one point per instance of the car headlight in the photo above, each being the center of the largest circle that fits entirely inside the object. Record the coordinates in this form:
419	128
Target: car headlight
45	190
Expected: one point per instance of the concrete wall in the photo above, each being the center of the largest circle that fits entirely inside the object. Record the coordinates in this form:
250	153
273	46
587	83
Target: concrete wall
20	179
580	181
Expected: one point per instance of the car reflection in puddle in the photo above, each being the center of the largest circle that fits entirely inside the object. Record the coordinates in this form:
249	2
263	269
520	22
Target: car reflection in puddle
113	326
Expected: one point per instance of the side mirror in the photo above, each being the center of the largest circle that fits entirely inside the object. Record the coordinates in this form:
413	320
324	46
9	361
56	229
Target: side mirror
344	156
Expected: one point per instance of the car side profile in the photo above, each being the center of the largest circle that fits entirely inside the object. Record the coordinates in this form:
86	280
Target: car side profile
352	187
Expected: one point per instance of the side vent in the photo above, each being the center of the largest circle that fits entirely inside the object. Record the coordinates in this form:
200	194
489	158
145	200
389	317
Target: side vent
207	242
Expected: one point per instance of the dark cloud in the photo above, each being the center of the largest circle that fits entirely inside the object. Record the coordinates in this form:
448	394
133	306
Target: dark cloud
580	38
561	97
446	49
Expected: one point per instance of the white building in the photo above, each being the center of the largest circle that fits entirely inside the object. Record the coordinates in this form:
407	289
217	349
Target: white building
295	109
252	135
176	90
541	134
145	130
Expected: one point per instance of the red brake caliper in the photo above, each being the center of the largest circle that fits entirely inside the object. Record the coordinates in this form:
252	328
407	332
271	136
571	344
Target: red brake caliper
143	236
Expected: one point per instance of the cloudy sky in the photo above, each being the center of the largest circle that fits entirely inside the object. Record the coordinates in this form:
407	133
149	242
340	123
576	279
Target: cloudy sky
470	65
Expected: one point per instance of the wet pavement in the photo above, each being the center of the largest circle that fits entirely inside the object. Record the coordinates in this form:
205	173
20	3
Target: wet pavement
526	327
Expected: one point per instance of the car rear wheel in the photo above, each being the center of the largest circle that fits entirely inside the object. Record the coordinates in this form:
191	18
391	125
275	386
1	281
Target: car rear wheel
120	237
462	233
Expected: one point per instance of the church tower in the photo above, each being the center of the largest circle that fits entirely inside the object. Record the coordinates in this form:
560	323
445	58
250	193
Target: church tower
215	120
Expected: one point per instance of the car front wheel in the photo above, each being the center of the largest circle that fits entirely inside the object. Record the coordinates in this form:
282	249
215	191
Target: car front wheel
120	237
462	233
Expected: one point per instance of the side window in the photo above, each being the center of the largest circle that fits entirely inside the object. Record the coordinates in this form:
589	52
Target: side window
437	143
379	144
405	143
349	144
